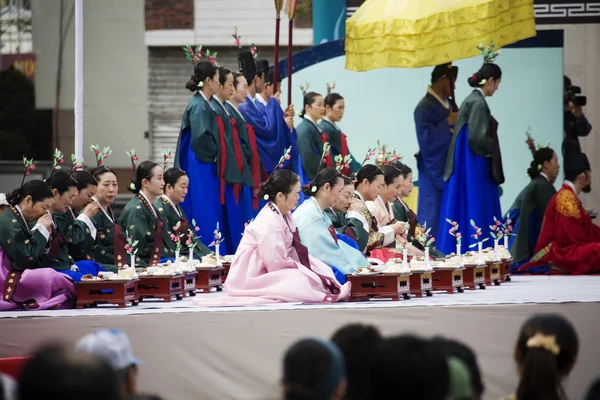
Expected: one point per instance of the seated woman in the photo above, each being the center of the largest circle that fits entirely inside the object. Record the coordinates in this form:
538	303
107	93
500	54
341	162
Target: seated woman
317	232
350	227
86	186
140	219
534	200
403	213
271	264
110	247
25	281
79	233
176	188
369	181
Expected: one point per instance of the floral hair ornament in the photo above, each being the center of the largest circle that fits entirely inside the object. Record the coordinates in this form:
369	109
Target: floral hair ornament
342	164
488	53
58	158
546	342
286	156
325	153
29	166
330	87
304	87
238	42
370	153
133	157
194	55
75	165
100	155
530	142
167	155
212	58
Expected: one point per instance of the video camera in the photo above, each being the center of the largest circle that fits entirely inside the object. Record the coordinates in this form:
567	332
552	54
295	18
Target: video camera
571	93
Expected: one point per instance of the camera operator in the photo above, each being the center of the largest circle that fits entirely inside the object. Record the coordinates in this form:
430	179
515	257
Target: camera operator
575	122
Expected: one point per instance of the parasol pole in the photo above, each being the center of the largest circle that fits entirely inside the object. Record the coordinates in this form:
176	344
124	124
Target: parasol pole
78	106
453	99
291	11
278	7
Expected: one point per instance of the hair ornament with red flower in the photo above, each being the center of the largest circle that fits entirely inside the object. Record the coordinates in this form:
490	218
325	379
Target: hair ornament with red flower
238	42
370	153
166	155
76	165
286	156
325	153
342	163
530	142
212	58
133	157
304	87
194	55
330	87
58	158
29	167
488	53
100	155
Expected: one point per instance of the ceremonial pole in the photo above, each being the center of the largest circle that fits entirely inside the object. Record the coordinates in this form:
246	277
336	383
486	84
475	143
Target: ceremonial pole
278	7
78	106
291	11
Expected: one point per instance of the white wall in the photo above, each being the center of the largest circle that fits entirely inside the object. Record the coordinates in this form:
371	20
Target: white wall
115	72
582	65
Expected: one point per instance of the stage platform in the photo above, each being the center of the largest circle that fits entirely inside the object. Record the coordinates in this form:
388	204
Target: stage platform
194	352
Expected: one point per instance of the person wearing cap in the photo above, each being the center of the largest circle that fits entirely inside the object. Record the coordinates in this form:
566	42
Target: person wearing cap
3	203
269	92
114	347
569	241
434	119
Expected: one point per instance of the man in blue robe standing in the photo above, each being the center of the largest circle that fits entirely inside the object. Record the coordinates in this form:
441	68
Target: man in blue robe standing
434	120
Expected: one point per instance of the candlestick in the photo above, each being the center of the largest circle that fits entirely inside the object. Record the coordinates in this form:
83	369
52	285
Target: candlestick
191	254
133	261
506	242
479	253
176	257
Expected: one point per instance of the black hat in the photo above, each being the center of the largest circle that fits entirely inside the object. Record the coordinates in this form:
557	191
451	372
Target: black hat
576	161
444	70
262	66
247	65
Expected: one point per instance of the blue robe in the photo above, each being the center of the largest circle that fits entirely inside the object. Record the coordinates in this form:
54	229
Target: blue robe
472	175
198	149
433	135
313	226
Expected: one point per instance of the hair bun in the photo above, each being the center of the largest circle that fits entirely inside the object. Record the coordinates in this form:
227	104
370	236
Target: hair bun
13	197
133	187
192	84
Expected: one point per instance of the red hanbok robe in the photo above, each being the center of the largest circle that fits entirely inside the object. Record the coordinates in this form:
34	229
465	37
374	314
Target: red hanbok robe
569	240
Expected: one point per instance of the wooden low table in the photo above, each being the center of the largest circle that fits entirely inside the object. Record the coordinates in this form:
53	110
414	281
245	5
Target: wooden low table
449	279
421	282
119	292
474	276
505	272
492	273
189	283
211	277
394	286
226	266
161	287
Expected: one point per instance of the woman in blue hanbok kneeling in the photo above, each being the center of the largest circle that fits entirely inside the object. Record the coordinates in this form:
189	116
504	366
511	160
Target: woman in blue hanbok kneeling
316	230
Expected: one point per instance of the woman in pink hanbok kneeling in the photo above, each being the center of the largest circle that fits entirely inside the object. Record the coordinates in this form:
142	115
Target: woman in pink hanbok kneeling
271	264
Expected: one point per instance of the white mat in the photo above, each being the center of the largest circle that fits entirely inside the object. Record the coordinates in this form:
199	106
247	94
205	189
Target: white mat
522	290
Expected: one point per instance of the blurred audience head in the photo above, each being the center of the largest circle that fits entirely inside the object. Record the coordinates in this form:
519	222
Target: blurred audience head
313	369
454	348
410	367
358	344
58	373
114	347
594	391
545	354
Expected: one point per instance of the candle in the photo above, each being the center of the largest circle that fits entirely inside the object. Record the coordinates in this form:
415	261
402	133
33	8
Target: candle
506	242
405	260
479	253
458	249
191	254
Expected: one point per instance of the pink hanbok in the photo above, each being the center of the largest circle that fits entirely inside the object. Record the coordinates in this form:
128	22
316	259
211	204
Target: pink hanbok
271	265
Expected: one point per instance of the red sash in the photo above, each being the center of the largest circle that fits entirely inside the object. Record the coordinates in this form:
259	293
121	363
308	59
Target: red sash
333	233
120	255
256	168
223	157
156	253
239	158
343	149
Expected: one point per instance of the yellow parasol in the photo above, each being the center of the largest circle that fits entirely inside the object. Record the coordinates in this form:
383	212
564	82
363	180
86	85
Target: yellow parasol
418	33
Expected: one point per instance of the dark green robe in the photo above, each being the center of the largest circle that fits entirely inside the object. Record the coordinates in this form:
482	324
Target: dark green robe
23	247
535	196
341	223
200	120
402	214
334	138
483	140
310	146
244	142
139	223
104	250
76	234
170	217
232	171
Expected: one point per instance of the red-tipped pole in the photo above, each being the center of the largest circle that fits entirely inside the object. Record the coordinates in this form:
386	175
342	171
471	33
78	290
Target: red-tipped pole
278	7
291	12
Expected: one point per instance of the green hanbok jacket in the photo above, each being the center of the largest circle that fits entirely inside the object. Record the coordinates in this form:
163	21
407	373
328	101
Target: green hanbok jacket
350	227
23	246
310	146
